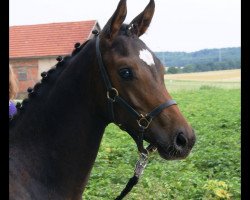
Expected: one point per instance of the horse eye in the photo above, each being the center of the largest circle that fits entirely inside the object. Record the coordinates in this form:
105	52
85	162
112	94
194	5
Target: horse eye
126	73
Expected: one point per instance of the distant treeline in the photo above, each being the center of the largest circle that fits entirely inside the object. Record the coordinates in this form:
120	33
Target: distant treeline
203	60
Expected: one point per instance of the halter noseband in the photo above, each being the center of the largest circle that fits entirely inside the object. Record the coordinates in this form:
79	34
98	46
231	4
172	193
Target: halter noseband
143	121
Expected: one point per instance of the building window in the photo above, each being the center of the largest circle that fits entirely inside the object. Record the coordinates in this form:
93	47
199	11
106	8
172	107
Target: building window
22	74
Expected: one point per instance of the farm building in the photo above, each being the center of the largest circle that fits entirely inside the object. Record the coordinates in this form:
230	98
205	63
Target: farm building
34	48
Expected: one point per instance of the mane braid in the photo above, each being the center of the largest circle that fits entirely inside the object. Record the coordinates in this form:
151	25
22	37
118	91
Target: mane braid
48	78
78	47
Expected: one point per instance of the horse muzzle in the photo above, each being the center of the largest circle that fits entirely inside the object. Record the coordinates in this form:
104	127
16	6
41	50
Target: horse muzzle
178	148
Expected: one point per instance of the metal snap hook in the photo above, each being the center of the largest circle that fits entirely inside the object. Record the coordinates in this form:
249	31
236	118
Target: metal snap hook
141	164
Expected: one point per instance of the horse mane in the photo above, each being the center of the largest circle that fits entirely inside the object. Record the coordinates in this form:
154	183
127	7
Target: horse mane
41	88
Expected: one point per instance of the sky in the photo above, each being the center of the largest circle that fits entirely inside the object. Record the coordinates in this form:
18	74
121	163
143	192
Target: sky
177	25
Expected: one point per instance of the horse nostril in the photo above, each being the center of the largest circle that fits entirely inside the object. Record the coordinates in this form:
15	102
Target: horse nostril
181	140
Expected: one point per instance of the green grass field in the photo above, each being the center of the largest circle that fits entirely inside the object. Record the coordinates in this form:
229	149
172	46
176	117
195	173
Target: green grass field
212	170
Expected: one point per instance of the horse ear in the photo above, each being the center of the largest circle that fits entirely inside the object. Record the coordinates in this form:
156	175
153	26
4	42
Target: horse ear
141	23
112	27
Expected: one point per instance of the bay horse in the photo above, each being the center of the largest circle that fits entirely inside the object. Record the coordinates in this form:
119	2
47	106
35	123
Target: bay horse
112	78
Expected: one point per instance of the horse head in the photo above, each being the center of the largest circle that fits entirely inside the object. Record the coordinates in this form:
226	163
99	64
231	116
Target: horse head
135	86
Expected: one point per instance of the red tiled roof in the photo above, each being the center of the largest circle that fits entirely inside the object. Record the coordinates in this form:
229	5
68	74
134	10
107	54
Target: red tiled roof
52	39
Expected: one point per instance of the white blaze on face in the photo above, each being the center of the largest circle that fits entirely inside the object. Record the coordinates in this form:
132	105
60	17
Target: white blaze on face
147	57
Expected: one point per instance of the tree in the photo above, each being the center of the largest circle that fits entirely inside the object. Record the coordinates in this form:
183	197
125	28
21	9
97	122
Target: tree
173	70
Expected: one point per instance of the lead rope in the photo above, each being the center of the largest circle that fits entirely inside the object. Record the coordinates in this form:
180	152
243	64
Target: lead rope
139	168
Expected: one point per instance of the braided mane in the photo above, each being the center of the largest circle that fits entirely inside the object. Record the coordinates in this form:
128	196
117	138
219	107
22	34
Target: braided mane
41	88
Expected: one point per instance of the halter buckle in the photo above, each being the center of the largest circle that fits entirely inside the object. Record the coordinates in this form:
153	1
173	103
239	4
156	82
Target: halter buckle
144	122
112	94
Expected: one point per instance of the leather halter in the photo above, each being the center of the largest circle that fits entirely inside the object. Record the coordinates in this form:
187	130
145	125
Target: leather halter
143	121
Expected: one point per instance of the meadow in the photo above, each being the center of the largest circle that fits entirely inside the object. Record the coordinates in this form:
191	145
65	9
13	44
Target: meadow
210	172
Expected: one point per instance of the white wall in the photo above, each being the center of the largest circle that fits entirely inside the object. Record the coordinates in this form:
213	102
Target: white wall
44	64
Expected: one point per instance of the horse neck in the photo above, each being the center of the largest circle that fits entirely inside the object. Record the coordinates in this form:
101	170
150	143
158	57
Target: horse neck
59	141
